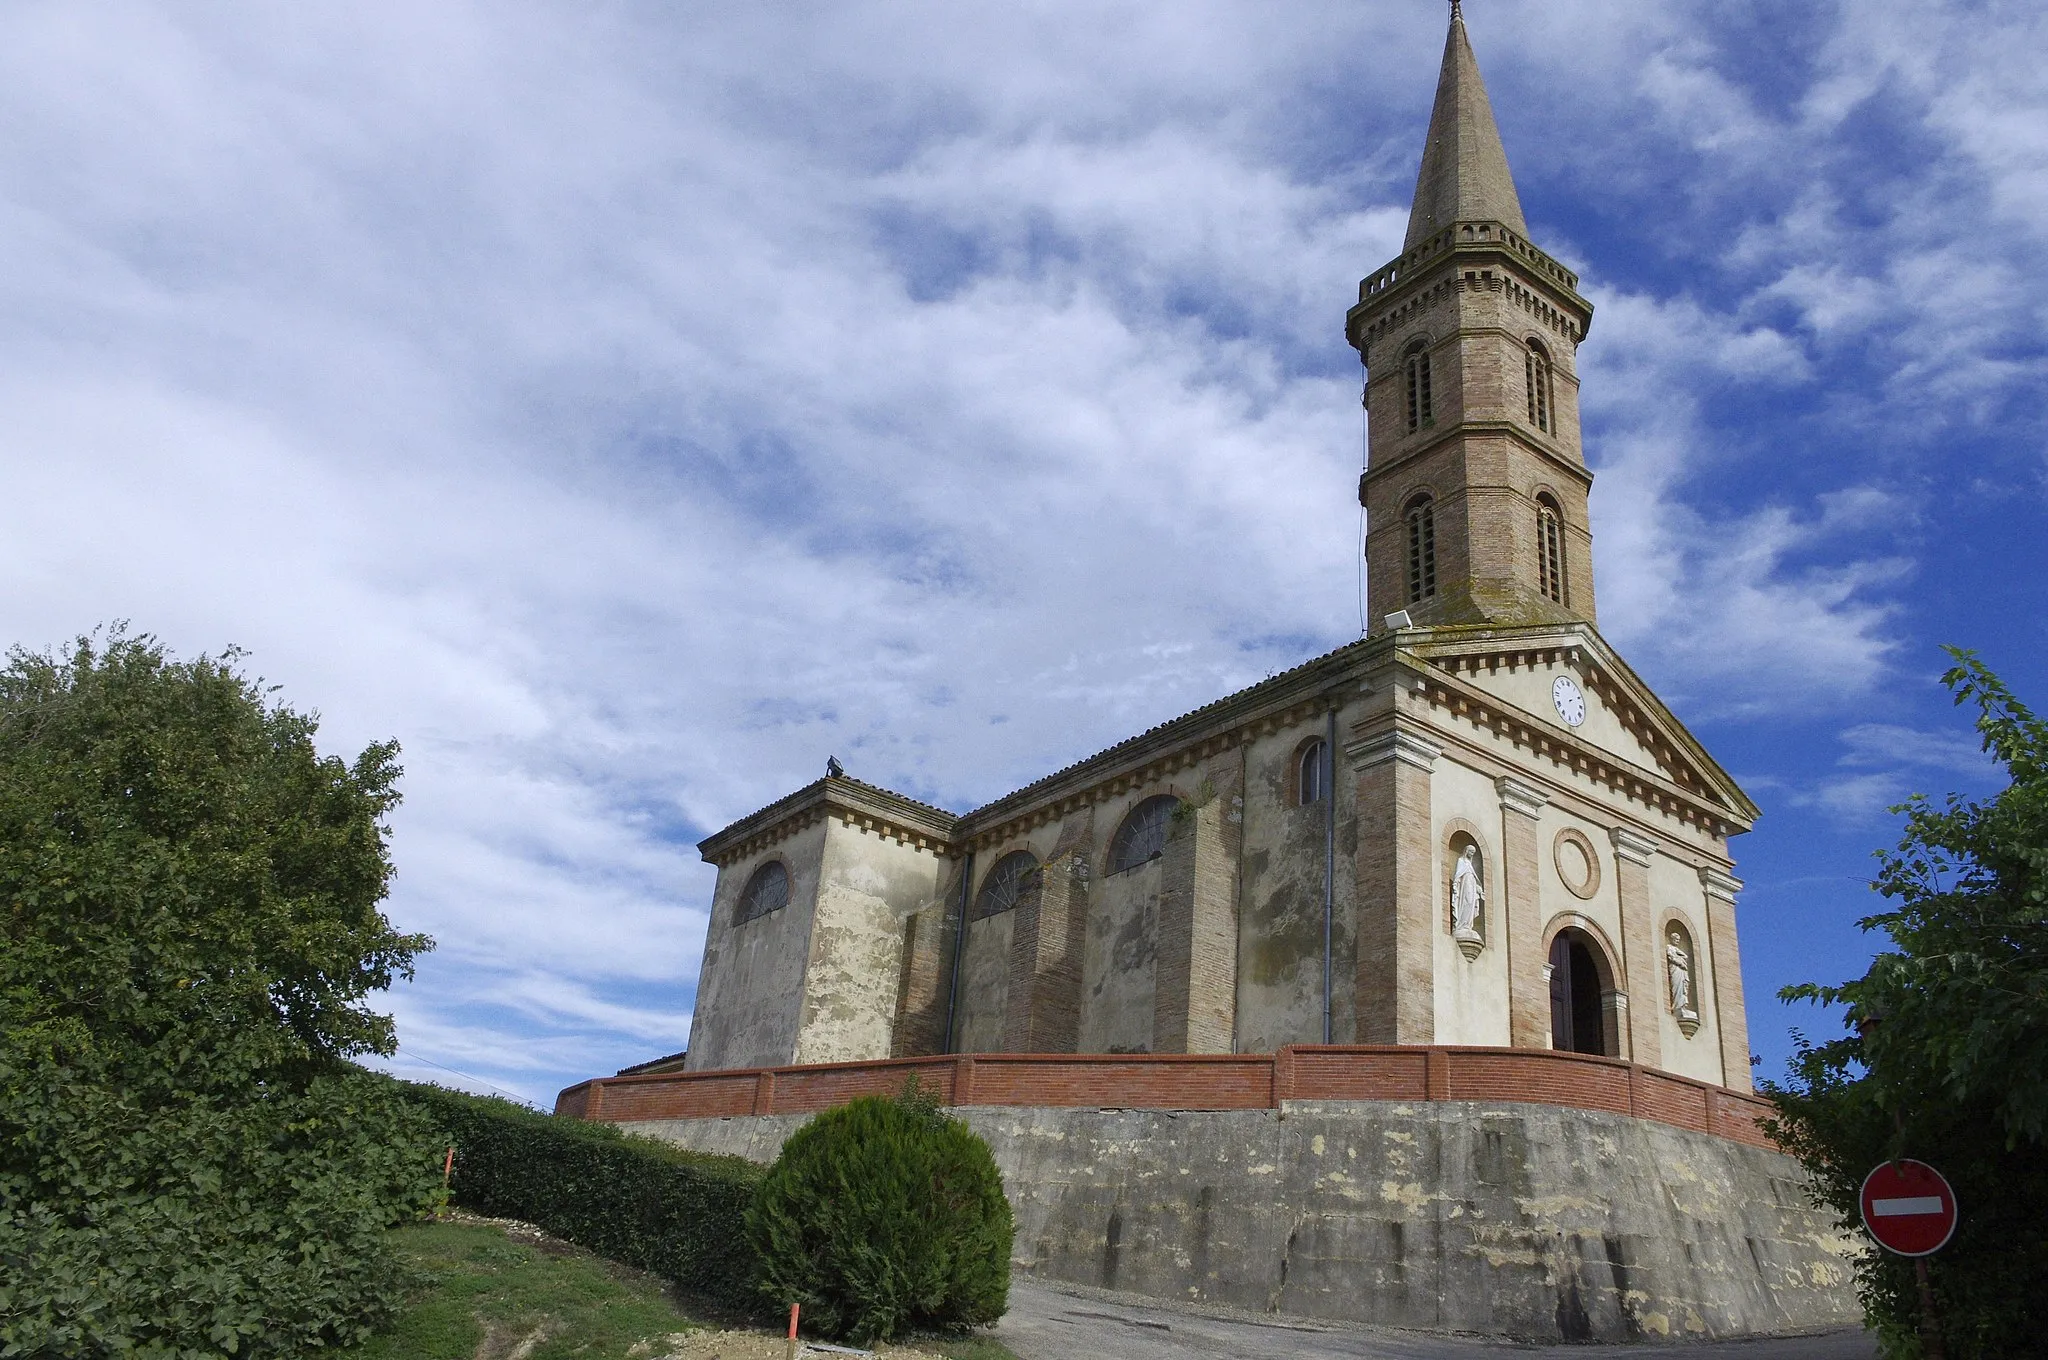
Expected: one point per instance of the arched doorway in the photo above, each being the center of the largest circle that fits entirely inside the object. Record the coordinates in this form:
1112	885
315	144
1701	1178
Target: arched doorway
1580	980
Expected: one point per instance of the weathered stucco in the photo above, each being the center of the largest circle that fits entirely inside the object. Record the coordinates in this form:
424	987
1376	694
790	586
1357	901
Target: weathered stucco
869	888
984	983
1119	958
1520	1221
1280	923
750	989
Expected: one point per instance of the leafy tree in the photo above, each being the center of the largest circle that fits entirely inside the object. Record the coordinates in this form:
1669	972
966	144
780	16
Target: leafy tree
1947	1058
189	894
882	1216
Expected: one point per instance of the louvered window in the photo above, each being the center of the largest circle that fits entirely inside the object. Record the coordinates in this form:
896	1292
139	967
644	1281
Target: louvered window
1541	391
1420	403
1550	551
1421	517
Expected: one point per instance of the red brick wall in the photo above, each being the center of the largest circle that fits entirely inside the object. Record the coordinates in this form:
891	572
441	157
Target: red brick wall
1173	1081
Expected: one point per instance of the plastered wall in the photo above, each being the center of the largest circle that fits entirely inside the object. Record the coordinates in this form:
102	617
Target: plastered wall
750	990
1675	891
869	886
1280	920
1471	994
1119	957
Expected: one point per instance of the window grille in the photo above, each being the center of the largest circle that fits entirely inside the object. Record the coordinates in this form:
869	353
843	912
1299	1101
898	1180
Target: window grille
1014	875
766	891
1421	550
1142	837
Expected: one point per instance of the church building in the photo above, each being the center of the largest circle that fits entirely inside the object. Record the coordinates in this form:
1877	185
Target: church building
1474	826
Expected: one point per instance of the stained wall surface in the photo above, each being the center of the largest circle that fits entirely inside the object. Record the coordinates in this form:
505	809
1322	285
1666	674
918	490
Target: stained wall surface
750	989
1119	957
1280	915
869	886
1520	1221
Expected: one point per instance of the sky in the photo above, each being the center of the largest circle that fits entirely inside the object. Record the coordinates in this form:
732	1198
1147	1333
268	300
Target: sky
625	406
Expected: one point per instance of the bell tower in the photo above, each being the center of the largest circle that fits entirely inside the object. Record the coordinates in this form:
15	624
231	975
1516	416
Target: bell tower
1475	486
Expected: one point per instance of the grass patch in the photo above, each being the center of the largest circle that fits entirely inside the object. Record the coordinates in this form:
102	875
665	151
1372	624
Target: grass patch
486	1294
969	1348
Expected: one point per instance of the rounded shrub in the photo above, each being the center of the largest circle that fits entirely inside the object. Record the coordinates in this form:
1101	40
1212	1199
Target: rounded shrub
881	1217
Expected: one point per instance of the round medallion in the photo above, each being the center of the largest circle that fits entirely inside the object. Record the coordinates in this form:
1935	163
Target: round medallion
1578	866
1569	700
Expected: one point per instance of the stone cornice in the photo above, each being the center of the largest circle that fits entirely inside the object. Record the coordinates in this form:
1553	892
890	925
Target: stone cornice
1719	885
1186	741
1520	796
1697	789
859	805
1630	846
1390	292
1466	428
1409	748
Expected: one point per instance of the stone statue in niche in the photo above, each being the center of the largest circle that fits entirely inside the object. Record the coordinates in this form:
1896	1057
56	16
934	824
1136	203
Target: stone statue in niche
1678	960
1468	899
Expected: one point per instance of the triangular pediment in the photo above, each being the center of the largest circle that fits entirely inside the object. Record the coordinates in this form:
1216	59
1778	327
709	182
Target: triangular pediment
1519	670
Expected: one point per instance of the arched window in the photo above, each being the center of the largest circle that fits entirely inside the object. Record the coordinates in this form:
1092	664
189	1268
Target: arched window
1014	875
1581	985
1420	403
1312	773
766	891
1542	397
1142	837
1421	519
1550	578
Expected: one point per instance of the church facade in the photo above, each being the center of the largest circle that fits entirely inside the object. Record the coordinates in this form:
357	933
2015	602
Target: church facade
1474	826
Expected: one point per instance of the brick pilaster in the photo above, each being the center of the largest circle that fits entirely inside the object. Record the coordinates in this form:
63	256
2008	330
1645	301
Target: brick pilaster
1730	1013
1640	946
1194	998
1521	877
1396	979
927	976
1042	1009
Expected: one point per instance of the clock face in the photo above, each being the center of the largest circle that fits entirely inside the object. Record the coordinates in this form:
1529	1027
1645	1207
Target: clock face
1571	703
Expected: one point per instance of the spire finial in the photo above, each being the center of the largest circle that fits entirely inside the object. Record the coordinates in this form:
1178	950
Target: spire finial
1464	174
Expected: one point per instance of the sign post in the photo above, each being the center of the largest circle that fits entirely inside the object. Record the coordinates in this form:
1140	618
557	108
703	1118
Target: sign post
1910	1210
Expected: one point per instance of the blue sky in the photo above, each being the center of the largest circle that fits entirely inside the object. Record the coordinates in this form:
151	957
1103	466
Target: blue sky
627	405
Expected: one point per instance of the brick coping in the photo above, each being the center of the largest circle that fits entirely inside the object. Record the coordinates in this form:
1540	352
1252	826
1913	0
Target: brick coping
1195	1081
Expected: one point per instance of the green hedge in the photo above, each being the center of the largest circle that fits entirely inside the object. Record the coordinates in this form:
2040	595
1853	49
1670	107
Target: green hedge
884	1217
192	1225
636	1201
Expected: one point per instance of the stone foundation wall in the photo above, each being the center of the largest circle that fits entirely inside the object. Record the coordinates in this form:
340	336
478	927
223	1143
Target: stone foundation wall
1526	1221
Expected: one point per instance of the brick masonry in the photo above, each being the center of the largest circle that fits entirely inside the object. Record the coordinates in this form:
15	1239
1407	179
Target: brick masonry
1256	1081
1528	984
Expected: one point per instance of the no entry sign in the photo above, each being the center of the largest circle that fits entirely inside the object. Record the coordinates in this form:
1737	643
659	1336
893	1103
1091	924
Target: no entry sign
1909	1208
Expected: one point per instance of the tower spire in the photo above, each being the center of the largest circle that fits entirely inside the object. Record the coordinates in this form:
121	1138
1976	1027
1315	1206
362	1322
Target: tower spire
1464	175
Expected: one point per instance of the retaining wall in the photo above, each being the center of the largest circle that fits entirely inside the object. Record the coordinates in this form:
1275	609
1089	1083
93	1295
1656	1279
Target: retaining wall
1526	1221
1509	1192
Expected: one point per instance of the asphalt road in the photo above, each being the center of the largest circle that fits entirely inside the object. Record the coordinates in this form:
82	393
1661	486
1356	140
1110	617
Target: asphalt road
1046	1323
